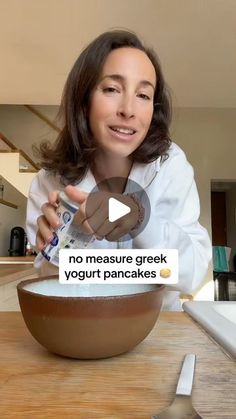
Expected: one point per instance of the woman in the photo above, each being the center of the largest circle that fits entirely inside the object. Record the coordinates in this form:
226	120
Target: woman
117	113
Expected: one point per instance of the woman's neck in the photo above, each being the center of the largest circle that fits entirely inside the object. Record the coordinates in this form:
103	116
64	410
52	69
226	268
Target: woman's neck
107	167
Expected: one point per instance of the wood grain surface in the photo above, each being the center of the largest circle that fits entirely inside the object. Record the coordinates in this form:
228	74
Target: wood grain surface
37	384
10	273
17	259
9	279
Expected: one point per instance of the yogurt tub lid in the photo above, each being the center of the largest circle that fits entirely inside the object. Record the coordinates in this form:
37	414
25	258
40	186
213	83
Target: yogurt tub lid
68	203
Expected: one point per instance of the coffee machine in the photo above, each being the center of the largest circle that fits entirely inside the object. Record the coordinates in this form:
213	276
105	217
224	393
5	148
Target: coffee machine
17	242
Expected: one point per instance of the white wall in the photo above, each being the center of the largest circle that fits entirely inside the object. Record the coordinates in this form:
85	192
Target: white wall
40	40
208	138
10	217
23	128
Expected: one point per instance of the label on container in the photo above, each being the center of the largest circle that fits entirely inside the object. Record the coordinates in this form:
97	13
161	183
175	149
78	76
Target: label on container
67	236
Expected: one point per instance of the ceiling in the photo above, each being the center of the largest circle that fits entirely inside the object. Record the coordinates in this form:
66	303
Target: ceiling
195	39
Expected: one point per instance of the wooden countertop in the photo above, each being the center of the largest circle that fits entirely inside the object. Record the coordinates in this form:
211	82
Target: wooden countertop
11	273
17	259
13	268
37	384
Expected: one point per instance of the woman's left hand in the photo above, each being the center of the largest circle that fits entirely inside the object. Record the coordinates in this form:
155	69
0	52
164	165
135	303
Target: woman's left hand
92	215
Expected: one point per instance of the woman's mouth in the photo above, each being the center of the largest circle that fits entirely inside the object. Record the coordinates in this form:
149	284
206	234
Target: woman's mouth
122	132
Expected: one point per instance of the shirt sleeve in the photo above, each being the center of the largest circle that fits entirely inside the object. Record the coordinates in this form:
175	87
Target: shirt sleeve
174	224
38	195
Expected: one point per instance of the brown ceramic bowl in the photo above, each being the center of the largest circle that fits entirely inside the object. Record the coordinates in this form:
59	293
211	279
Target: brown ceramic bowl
88	321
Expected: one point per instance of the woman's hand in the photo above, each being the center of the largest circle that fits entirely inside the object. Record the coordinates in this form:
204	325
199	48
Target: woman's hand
92	218
48	221
92	215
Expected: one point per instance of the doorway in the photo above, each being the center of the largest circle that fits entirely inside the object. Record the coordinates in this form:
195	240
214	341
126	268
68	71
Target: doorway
223	220
218	218
223	215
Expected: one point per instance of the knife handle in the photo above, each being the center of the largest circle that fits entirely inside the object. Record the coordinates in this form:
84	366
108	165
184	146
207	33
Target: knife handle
185	383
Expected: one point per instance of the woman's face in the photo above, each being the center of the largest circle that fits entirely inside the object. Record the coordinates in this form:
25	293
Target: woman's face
121	106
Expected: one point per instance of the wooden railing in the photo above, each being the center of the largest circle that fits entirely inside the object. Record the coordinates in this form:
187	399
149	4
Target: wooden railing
13	149
43	118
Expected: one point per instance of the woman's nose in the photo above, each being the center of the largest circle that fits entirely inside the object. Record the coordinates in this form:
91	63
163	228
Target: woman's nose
126	108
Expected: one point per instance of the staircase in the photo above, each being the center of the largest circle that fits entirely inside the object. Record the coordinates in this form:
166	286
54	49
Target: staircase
16	167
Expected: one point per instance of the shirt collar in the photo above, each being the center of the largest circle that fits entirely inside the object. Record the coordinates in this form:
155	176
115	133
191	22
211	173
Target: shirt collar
144	173
141	173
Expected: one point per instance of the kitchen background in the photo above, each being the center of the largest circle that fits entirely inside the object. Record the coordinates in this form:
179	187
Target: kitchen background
196	45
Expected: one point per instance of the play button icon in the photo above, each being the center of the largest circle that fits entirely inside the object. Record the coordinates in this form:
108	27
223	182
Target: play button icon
106	212
116	209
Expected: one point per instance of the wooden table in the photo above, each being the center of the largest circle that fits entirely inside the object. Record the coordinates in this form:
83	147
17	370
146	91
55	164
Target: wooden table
37	384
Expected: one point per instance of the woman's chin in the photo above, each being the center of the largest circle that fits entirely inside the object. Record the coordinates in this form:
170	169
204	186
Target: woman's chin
121	152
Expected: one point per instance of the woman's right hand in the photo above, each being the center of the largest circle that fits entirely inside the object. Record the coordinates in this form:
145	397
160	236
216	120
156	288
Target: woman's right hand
48	221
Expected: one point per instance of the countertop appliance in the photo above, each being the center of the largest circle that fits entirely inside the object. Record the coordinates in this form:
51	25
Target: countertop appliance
17	242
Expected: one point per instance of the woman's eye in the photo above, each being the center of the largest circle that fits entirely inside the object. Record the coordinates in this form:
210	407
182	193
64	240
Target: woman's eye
144	96
110	90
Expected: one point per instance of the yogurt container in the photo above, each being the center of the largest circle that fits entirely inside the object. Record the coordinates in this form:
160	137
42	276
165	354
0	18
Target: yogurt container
68	235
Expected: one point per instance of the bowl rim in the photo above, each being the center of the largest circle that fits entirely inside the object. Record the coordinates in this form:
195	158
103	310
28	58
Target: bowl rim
20	288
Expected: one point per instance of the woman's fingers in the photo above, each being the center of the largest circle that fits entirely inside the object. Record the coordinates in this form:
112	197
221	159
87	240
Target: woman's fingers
86	228
93	219
99	221
80	215
53	198
40	242
119	231
76	194
48	221
44	229
49	212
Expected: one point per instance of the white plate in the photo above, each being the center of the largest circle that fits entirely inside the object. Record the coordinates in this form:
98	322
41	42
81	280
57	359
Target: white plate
218	318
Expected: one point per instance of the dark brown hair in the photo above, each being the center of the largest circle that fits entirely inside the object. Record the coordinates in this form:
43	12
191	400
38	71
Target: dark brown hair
73	152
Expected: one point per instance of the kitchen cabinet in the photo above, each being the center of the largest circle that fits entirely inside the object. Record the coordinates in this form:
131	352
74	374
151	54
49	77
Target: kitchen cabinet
37	384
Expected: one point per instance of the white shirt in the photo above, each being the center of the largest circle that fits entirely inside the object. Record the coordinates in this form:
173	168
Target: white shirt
173	222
